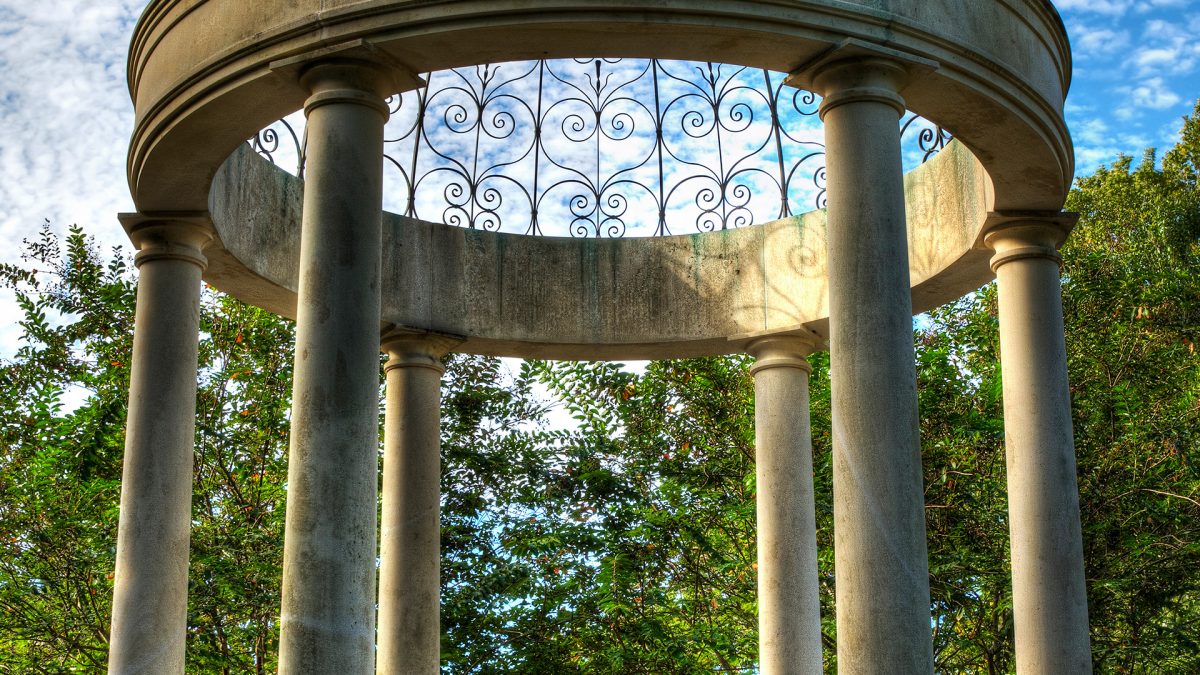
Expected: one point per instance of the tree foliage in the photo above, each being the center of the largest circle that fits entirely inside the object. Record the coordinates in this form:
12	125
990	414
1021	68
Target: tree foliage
626	535
645	510
62	419
1133	307
624	542
60	467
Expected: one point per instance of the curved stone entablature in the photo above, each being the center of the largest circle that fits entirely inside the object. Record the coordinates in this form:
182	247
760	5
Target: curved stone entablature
565	298
207	74
202	77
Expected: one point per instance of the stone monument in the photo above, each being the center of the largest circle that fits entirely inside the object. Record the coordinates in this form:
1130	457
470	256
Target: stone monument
206	75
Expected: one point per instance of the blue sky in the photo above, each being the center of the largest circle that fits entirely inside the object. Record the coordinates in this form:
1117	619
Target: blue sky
1137	73
65	116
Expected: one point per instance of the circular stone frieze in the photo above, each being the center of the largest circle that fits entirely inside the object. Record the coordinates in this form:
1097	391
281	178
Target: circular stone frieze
207	74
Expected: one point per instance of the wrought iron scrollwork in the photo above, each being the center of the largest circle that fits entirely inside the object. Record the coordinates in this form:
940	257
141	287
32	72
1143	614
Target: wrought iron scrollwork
930	138
606	147
280	144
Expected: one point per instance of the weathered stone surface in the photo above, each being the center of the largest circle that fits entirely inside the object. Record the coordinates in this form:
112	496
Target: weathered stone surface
881	557
410	536
1050	617
200	70
789	593
327	624
149	626
549	297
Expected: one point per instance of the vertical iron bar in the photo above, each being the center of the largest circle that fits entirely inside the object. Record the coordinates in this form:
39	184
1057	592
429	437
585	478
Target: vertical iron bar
661	230
473	180
721	178
534	228
418	134
599	112
773	101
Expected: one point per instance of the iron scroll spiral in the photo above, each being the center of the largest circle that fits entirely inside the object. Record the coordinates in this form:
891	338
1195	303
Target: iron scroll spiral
604	147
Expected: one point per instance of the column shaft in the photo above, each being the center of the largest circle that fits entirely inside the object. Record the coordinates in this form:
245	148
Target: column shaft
328	617
879	532
789	603
149	622
410	538
1049	594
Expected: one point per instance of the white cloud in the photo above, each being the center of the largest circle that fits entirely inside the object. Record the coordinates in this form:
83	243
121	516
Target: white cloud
1155	59
1094	42
1149	5
1093	131
1108	7
1139	61
1169	133
1154	93
66	114
1089	158
1118	7
65	111
1097	142
1168	48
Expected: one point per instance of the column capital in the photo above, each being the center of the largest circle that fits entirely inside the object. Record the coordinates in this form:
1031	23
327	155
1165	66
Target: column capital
783	351
169	236
1018	235
855	71
355	72
409	349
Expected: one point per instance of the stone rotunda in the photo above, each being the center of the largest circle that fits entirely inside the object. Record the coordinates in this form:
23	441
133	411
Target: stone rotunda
462	267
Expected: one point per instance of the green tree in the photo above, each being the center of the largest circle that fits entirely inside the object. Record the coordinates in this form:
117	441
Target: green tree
623	545
962	438
242	406
59	463
62	418
643	521
1132	299
626	543
1131	295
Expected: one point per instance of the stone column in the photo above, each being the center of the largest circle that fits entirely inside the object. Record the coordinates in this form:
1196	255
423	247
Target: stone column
879	509
410	541
328	617
149	622
789	603
1049	595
